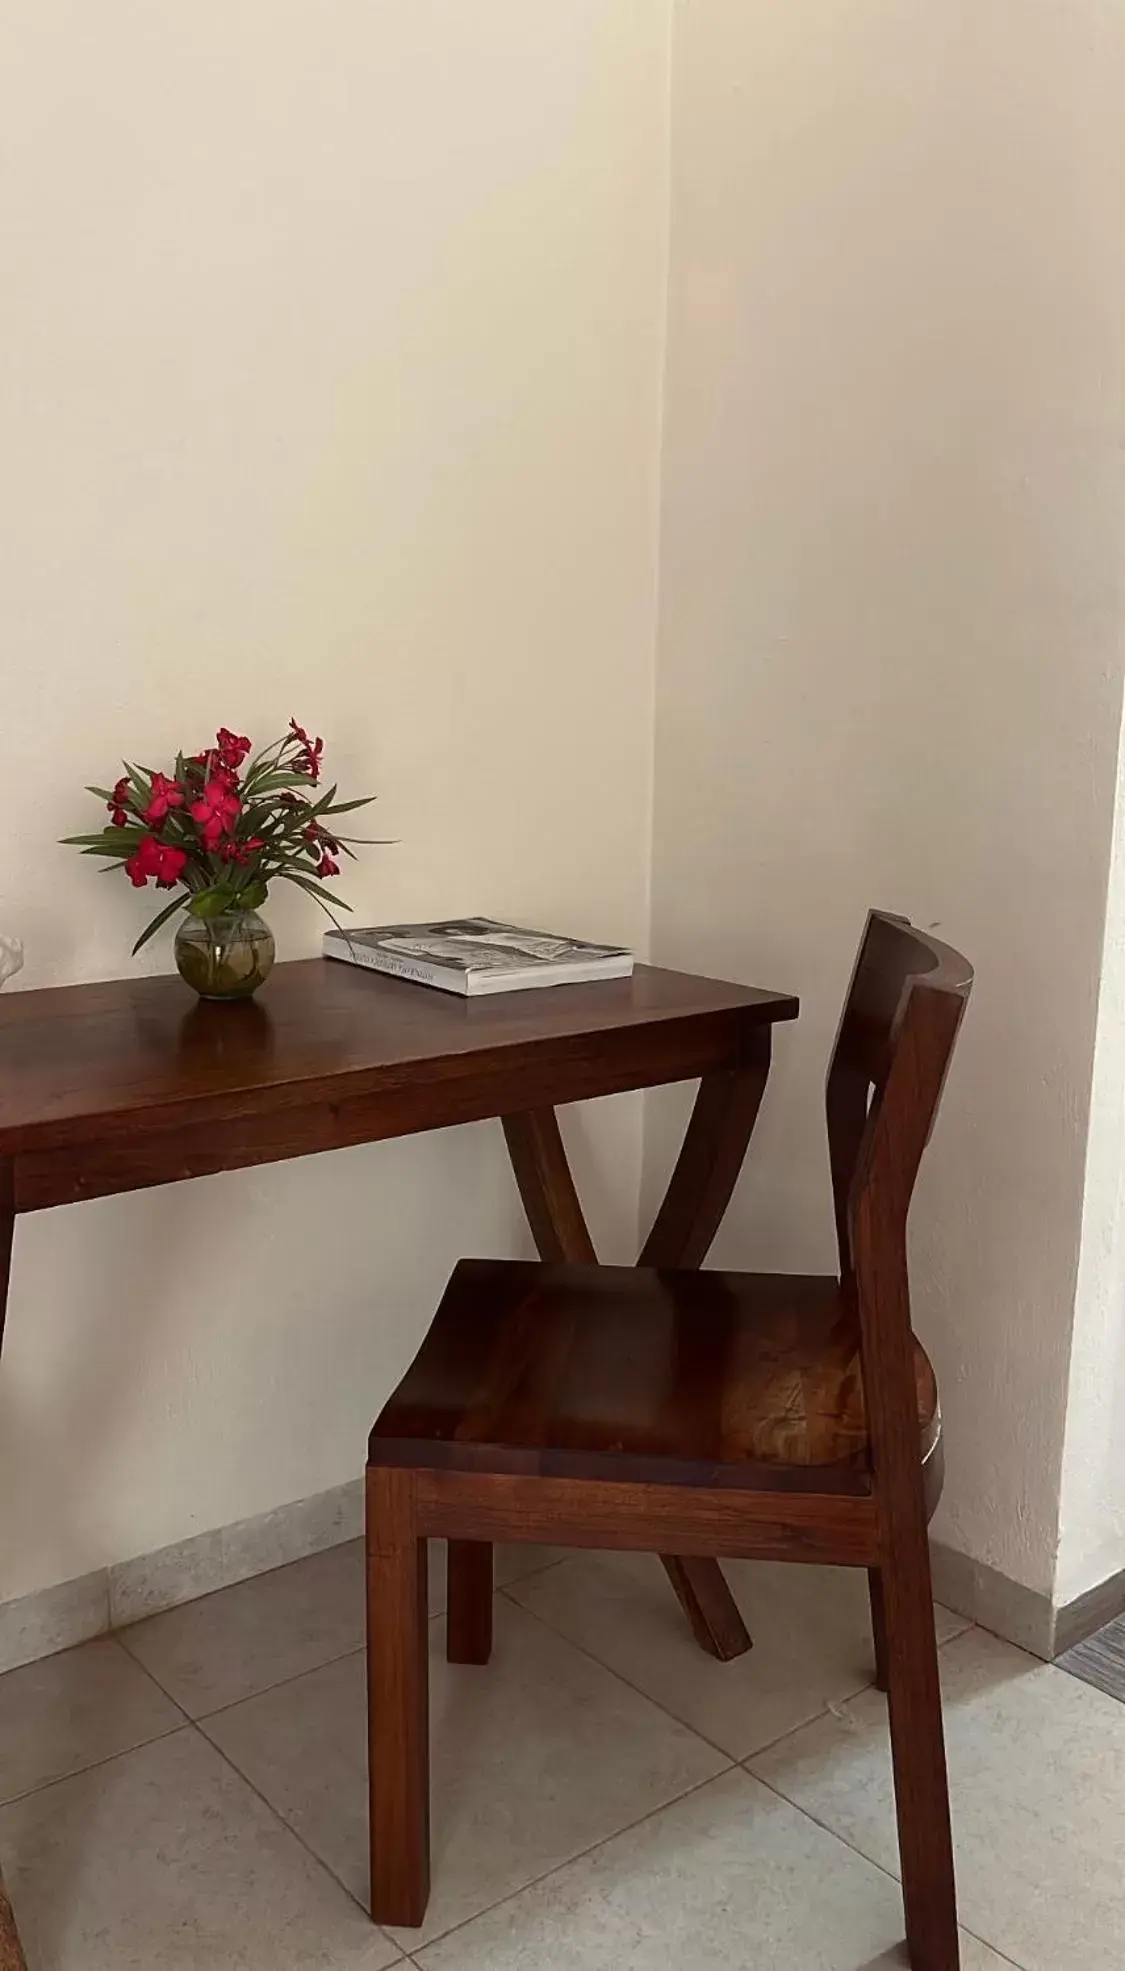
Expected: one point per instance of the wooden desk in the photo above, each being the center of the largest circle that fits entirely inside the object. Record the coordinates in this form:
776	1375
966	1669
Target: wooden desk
116	1087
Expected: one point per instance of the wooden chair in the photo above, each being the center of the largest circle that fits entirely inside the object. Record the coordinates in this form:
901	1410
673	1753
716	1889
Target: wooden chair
743	1415
11	1955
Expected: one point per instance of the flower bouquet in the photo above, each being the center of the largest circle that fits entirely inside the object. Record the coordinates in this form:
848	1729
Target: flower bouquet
219	829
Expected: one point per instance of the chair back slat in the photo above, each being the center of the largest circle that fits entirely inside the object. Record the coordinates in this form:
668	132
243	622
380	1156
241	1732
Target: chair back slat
900	1022
908	992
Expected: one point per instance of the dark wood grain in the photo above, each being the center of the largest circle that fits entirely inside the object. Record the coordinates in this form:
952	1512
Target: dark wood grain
559	1229
706	1172
546	1186
397	1699
704	1594
878	1627
571	1512
708	1167
7	1235
615	1372
80	1064
920	988
11	1951
757	1415
468	1619
115	1087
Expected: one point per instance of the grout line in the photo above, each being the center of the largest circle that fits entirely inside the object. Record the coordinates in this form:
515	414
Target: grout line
280	1818
828	1710
583	1854
533	1573
122	1752
863	1856
282	1683
324	1663
735	1758
731	1758
96	1765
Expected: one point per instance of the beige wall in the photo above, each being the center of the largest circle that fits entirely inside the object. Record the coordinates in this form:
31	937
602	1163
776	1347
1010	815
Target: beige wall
890	644
332	346
332	385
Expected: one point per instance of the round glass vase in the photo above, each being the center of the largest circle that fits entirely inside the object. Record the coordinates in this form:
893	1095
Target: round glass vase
224	957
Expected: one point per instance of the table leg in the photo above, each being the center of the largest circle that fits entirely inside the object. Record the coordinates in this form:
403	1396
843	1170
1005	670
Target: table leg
699	1191
11	1952
706	1171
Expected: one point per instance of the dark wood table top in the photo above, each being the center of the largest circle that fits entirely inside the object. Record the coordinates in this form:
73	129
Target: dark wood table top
82	1064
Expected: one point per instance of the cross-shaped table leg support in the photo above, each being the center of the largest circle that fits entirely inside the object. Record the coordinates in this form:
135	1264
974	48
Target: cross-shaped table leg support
706	1172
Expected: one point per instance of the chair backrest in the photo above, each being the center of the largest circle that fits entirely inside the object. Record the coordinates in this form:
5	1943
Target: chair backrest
885	1081
896	1037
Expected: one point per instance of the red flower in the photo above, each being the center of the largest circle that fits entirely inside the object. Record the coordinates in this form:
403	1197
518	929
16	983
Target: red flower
216	810
166	795
241	851
326	866
117	804
315	833
308	759
232	748
155	859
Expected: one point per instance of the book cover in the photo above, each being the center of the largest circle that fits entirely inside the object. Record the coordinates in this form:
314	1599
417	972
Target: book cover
473	955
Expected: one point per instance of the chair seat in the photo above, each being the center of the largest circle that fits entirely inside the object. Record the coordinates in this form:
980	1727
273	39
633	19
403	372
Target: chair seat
716	1379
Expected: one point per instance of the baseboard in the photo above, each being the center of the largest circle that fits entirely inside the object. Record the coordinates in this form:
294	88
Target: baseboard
1088	1613
1033	1621
55	1618
971	1588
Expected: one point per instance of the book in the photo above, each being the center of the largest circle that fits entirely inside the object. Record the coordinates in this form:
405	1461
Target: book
477	955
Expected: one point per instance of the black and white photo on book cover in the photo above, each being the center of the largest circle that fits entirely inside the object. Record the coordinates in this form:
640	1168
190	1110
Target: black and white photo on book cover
480	944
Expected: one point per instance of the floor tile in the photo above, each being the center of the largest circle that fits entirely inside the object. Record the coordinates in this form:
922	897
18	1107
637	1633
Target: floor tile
165	1860
1037	1766
727	1879
811	1629
534	1758
73	1710
230	1645
1100	1660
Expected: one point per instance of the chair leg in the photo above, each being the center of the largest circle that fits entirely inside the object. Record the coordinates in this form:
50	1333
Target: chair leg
918	1753
398	1700
878	1626
709	1606
468	1627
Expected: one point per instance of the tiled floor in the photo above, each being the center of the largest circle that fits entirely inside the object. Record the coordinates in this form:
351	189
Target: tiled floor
191	1794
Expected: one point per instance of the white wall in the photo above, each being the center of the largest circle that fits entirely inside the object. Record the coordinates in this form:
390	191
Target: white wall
1092	1507
332	346
890	643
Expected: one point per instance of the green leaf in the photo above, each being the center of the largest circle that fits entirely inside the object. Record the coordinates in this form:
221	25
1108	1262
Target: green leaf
313	890
209	903
253	896
316	890
161	917
280	777
348	807
110	837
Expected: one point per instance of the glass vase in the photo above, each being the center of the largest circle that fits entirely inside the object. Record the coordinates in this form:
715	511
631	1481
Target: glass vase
224	957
